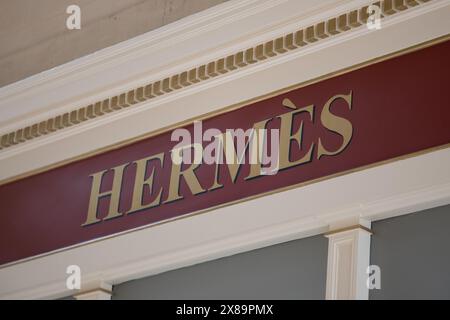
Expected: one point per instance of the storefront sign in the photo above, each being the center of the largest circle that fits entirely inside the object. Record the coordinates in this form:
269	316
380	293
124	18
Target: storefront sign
361	118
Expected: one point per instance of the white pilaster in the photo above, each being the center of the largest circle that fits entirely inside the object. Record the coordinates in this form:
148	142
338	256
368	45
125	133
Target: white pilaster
348	259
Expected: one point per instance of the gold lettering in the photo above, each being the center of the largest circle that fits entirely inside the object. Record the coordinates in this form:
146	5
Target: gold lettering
336	124
140	182
188	175
96	195
234	160
286	136
249	142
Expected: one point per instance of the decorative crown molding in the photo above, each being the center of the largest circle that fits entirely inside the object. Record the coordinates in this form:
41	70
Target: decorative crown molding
292	41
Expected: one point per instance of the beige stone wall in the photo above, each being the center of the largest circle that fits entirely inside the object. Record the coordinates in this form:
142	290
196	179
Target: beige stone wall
34	37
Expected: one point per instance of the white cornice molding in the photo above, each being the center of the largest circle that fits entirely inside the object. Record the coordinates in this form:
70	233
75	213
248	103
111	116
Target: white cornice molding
162	52
399	31
157	54
148	42
348	260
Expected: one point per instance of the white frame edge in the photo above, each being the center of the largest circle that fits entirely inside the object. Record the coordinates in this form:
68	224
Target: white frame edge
348	260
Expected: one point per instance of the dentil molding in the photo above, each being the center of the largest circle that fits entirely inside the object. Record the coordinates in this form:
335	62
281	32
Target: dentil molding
296	40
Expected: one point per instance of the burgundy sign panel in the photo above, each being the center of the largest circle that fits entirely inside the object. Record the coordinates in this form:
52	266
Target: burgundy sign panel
399	106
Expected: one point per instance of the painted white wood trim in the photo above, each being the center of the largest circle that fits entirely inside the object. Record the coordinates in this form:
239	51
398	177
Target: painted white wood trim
351	48
173	48
95	290
93	295
348	259
392	189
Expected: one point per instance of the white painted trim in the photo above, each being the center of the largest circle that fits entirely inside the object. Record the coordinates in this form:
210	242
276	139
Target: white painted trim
396	188
348	259
399	32
96	290
173	48
94	295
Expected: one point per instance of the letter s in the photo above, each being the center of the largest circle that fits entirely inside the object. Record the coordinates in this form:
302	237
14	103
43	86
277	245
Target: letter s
336	124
